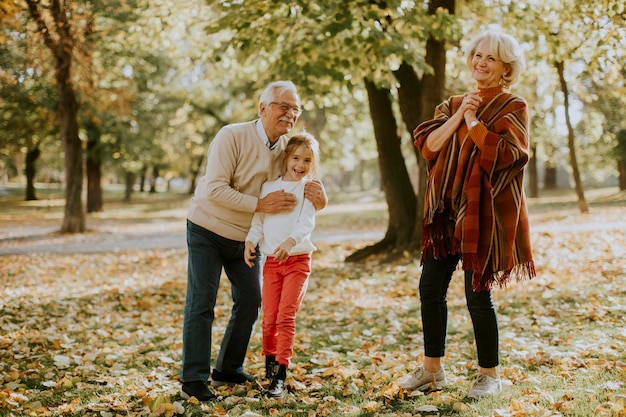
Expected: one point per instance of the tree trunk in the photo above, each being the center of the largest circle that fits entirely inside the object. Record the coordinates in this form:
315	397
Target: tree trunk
411	101
94	169
130	182
582	203
395	179
62	45
142	179
433	88
74	218
93	164
153	179
418	99
621	168
549	177
30	170
195	172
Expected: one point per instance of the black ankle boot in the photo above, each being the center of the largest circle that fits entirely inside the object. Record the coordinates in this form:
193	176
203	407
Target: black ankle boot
271	366
277	387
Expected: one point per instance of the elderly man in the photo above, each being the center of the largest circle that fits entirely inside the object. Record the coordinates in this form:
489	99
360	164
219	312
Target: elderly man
241	158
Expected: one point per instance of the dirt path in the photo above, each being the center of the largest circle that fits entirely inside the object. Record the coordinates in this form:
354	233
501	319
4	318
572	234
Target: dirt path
105	238
168	232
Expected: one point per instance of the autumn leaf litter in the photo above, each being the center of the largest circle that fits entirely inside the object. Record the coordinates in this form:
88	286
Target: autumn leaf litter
100	335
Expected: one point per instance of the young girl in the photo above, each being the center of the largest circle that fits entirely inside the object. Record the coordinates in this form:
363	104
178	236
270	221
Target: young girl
285	240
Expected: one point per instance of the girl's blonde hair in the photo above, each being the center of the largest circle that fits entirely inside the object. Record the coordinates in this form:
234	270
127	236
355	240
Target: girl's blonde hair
505	48
308	141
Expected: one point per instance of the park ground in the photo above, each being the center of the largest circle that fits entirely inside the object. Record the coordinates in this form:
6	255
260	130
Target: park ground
91	323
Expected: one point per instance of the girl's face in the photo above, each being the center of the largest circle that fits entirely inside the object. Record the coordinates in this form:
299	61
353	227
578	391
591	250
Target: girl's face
486	69
298	163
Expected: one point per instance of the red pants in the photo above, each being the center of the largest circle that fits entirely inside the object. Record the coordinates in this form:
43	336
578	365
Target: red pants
284	286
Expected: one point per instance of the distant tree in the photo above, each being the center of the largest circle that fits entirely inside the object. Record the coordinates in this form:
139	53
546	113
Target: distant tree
26	106
573	34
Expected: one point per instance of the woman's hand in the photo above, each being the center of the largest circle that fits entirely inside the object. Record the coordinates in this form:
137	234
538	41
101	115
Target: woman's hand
469	106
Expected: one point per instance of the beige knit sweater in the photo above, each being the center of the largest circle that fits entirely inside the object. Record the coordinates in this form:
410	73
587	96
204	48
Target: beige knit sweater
238	163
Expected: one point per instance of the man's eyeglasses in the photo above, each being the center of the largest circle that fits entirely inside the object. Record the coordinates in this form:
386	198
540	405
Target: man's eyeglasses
285	107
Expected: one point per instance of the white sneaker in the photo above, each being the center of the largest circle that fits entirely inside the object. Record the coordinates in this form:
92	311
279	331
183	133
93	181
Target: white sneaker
424	380
484	385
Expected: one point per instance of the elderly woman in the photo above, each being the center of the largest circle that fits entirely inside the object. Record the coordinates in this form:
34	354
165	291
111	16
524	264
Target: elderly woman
476	149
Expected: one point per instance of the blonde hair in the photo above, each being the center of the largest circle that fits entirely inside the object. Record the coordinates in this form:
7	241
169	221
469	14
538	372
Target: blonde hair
505	48
308	141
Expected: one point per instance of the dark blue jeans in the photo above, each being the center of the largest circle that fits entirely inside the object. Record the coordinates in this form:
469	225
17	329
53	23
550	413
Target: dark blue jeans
208	254
434	282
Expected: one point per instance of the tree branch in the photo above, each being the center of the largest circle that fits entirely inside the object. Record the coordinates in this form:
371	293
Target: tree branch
35	11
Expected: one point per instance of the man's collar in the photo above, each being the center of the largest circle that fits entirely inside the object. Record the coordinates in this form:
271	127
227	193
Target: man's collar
261	130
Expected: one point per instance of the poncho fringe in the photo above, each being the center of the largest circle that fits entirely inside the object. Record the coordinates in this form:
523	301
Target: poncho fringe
475	205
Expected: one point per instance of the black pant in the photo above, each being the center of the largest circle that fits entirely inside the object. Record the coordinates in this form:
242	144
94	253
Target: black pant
434	282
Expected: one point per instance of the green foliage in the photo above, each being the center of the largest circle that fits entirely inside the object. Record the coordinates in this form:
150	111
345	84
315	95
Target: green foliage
319	45
161	77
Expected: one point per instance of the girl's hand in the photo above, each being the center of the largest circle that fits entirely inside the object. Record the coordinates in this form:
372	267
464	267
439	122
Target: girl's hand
281	253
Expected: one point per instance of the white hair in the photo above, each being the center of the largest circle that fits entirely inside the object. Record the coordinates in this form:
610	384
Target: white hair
505	48
274	89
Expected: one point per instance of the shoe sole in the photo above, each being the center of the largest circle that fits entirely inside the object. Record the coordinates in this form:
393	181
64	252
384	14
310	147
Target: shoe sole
221	383
477	397
186	396
278	397
428	387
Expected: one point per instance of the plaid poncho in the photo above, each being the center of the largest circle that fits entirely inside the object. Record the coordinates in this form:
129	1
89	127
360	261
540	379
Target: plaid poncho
475	204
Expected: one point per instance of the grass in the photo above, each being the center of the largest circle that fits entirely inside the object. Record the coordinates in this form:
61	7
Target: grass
99	334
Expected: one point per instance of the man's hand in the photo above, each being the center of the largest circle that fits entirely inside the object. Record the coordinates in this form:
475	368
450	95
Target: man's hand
315	192
249	253
276	202
281	253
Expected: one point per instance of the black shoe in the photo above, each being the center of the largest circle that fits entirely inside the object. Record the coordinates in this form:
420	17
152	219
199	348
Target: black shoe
218	378
277	388
271	366
198	389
